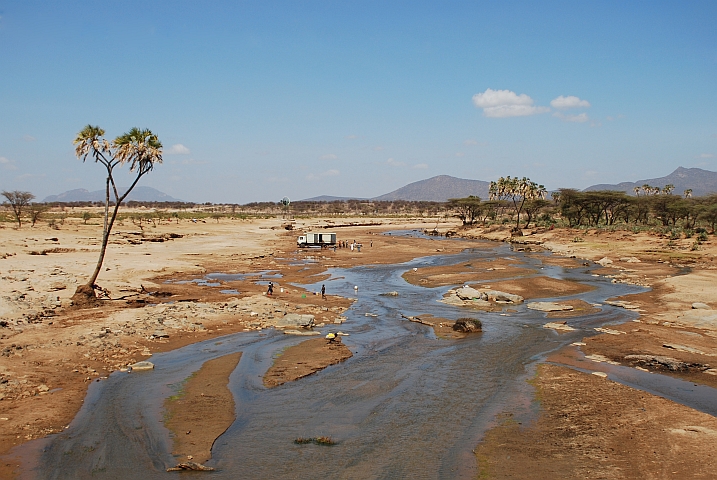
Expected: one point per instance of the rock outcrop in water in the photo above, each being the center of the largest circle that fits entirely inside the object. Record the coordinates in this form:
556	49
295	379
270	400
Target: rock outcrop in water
467	325
483	298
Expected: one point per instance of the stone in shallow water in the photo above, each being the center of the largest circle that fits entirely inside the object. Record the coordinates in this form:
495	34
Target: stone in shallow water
558	326
140	366
295	320
549	307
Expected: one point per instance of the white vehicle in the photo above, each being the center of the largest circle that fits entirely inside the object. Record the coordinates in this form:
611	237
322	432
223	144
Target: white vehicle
316	240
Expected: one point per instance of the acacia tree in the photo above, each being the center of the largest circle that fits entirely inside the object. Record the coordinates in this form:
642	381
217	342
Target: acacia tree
141	149
36	211
467	209
18	201
518	191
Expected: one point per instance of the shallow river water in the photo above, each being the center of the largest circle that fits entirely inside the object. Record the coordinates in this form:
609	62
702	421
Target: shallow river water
406	405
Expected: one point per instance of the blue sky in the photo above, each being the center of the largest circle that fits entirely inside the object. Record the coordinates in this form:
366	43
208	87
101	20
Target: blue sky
257	100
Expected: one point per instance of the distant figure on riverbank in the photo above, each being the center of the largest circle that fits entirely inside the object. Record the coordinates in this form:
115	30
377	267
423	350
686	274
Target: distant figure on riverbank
270	290
323	292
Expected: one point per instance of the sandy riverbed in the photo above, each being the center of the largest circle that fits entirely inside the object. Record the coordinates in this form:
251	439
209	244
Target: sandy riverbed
51	351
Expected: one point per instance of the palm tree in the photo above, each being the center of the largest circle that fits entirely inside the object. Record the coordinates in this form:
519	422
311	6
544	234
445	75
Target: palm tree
141	150
688	193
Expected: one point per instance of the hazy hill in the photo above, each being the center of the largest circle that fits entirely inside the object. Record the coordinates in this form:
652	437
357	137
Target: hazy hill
329	198
439	189
139	194
702	182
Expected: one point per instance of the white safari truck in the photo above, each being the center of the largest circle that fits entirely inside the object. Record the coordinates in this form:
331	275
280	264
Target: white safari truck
316	240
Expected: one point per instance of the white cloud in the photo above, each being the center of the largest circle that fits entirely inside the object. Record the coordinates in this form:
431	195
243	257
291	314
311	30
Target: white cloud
377	148
469	142
177	149
319	176
706	155
460	154
28	138
505	103
351	137
395	163
421	166
496	98
7	164
581	118
569	102
328	156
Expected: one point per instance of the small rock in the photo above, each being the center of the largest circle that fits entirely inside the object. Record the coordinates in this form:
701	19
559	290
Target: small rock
558	326
43	388
700	306
600	374
160	334
604	261
549	307
190	466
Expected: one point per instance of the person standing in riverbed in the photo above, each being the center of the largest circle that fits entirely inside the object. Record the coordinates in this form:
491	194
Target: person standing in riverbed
270	290
323	292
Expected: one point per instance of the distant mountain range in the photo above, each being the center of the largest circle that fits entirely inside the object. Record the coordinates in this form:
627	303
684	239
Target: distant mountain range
434	189
702	182
138	194
439	189
444	187
330	198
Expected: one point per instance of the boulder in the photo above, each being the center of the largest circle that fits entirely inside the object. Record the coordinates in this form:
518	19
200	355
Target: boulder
469	293
604	262
467	325
295	320
141	366
502	297
549	307
665	363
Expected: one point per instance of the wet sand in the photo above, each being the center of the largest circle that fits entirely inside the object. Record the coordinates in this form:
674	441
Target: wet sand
201	410
591	427
304	359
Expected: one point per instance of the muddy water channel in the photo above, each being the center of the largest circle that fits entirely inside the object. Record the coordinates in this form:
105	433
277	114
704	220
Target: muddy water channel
406	405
